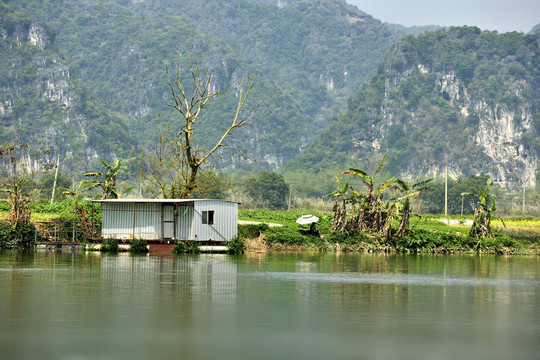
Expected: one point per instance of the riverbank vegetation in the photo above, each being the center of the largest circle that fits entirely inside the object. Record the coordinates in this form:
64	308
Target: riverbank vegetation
360	220
277	230
428	234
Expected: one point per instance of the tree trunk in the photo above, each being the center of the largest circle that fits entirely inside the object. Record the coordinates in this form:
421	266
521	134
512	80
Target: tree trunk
404	222
190	183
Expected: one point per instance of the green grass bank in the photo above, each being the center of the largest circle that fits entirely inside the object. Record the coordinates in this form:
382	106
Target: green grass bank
265	230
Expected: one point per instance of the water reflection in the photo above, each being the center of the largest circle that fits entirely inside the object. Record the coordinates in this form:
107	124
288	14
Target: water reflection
78	305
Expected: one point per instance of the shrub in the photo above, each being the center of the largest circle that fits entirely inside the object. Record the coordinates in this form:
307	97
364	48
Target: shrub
351	238
110	245
284	235
523	237
21	237
429	240
182	247
251	230
138	246
236	245
291	236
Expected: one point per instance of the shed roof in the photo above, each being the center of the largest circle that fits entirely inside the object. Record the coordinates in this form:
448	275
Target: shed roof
160	201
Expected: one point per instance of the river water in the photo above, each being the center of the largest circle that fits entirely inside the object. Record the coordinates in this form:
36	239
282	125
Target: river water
87	305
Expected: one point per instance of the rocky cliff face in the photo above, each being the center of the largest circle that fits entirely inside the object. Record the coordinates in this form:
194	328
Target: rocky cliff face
461	98
498	133
41	103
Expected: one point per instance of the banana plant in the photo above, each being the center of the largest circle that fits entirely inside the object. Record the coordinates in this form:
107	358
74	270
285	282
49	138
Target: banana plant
481	226
409	192
108	184
373	215
339	219
76	194
366	179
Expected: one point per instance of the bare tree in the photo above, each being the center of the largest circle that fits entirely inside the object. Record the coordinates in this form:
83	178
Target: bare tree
161	165
189	107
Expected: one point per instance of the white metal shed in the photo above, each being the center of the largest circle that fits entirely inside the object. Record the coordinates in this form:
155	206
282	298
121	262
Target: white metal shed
175	219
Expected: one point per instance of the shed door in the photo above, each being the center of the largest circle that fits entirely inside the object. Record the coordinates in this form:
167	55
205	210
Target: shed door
168	221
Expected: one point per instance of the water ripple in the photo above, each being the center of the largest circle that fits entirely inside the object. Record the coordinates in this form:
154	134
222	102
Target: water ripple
394	279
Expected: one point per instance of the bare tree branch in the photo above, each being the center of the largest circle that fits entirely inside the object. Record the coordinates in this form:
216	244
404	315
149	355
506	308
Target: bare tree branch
179	155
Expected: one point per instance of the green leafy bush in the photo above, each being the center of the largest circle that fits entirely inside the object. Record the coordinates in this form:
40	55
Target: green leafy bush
110	245
182	247
138	246
291	236
252	230
349	238
22	237
236	245
284	235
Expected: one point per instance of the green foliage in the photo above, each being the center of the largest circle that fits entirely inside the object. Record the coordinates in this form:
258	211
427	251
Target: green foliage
138	246
236	245
211	185
47	183
432	199
481	226
108	184
121	50
426	235
269	188
41	93
428	240
182	247
64	210
353	237
251	231
521	237
109	245
367	211
4	206
45	207
20	237
290	236
287	218
19	178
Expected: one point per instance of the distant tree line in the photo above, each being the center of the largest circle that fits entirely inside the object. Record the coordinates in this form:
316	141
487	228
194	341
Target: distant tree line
431	201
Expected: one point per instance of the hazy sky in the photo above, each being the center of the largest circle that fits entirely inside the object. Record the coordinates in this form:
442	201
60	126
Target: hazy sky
500	15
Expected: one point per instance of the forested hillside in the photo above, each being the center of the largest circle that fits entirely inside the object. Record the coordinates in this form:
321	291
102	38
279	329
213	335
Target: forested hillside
305	58
320	51
43	103
89	80
462	98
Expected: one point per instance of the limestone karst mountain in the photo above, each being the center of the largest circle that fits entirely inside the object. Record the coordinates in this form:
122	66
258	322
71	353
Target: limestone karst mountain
43	103
463	98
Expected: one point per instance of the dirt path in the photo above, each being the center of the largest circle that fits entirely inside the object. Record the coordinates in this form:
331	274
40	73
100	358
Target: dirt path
248	222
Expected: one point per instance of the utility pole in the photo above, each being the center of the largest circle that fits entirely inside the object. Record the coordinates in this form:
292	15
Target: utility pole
55	177
446	191
523	206
290	196
461	205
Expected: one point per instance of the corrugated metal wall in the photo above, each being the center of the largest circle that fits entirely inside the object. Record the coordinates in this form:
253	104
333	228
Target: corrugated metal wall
184	222
225	225
119	218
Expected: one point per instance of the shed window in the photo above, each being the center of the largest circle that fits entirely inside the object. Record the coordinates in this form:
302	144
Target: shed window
208	217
